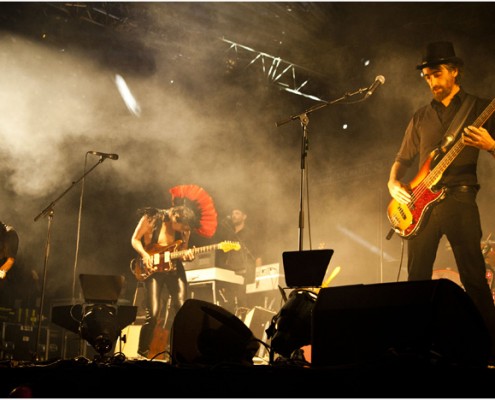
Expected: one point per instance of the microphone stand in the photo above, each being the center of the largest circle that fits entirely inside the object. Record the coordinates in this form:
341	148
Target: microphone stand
49	211
304	120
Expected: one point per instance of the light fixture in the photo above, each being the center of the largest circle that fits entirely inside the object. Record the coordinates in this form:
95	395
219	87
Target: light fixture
100	327
291	327
99	320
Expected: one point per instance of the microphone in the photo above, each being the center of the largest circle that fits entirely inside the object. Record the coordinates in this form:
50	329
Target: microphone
105	155
379	80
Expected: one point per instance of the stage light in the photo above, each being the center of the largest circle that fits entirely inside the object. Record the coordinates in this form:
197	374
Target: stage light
99	320
100	327
291	327
102	319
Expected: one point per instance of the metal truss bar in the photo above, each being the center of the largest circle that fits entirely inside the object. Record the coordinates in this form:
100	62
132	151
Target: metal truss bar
278	69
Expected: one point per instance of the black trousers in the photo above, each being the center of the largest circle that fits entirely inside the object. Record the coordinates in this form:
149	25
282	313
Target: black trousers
457	217
177	289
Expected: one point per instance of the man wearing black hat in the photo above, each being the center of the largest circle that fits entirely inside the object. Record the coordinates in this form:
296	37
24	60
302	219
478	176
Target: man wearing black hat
434	130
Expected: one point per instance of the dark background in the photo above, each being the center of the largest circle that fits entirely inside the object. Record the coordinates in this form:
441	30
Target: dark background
208	114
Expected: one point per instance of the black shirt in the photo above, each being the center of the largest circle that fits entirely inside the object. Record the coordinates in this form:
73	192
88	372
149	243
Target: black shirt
424	134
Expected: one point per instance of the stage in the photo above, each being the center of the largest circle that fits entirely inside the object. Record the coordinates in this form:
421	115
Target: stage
144	379
406	339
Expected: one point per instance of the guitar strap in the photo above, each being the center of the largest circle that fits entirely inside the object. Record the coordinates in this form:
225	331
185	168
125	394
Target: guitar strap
458	122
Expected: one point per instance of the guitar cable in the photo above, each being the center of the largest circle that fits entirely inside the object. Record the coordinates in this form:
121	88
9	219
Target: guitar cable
401	258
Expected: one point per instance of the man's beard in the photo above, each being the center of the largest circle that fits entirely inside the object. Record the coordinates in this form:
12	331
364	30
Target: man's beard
445	91
442	94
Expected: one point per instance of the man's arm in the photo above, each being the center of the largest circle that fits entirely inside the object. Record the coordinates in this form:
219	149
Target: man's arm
188	255
480	138
142	227
7	265
397	189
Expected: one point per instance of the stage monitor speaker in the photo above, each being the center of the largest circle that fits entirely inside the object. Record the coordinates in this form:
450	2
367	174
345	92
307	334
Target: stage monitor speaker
258	320
206	334
424	320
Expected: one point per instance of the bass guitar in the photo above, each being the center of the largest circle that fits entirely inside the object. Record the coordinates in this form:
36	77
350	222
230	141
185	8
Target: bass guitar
163	257
408	219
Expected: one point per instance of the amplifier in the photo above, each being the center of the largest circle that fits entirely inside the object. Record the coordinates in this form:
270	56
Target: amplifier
267	277
129	341
19	342
7	314
258	320
222	294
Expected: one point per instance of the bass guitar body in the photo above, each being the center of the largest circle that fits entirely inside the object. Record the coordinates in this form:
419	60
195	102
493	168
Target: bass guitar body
408	219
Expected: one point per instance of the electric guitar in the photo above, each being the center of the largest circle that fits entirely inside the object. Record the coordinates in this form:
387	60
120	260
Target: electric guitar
408	219
163	257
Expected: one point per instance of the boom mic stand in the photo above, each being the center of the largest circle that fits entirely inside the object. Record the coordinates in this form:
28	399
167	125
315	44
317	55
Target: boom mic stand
304	119
49	211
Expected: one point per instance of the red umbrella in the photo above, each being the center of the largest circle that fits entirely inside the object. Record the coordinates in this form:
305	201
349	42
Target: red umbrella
201	203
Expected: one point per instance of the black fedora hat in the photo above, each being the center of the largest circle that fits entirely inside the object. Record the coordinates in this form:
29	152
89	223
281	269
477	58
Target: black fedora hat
439	53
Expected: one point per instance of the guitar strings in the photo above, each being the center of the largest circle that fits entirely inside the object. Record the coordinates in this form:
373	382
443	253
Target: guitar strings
425	185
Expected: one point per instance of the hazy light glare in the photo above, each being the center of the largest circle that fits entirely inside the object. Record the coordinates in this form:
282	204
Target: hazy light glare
129	99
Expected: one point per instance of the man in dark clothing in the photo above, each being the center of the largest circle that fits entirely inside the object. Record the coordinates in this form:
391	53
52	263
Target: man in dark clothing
244	261
455	213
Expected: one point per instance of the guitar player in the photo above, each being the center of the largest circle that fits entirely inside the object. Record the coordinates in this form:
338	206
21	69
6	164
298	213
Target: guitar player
159	227
456	213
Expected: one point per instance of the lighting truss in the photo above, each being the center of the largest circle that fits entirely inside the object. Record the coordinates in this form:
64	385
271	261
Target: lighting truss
99	13
287	75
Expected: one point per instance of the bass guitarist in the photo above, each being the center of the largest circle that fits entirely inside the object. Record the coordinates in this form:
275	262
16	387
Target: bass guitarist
455	214
162	228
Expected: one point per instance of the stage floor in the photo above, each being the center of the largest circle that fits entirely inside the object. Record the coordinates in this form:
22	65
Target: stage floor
82	378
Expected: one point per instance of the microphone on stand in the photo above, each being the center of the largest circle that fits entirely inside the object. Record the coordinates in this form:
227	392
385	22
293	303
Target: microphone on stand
105	155
379	80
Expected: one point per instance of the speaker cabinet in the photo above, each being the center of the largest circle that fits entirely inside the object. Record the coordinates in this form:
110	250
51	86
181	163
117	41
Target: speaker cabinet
129	341
204	333
258	320
426	320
